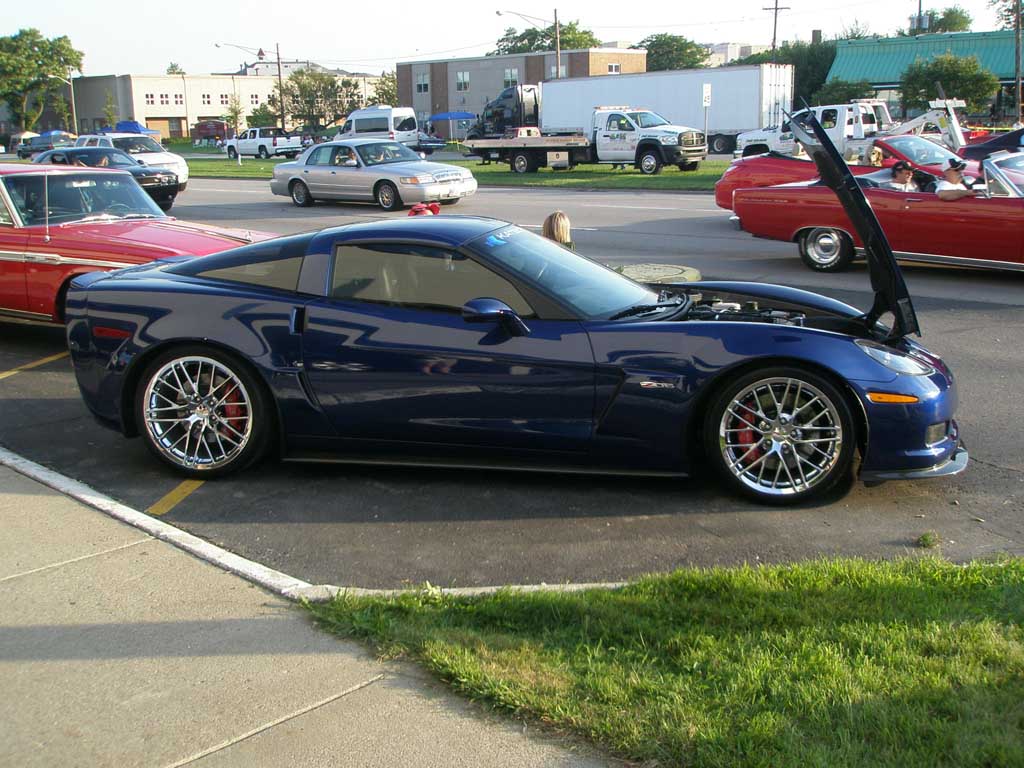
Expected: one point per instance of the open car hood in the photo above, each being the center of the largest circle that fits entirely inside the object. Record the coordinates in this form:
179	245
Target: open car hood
891	294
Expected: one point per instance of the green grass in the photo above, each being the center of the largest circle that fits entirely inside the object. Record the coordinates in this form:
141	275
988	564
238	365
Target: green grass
928	540
832	663
499	175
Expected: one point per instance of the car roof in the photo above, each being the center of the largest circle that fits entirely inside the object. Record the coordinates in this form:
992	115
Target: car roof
359	142
113	135
451	231
10	169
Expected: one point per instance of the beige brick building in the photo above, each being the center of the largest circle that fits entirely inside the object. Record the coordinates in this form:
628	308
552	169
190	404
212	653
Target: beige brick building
465	85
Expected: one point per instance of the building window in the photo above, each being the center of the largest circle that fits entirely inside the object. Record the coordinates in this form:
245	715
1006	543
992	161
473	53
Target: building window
423	83
165	99
150	100
206	99
511	77
224	99
179	99
254	99
462	81
561	72
614	69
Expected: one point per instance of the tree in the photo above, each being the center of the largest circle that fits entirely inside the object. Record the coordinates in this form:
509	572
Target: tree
961	77
843	92
858	30
811	63
264	114
233	116
59	105
1004	12
27	62
110	114
386	90
665	51
951	19
174	69
313	98
533	40
349	97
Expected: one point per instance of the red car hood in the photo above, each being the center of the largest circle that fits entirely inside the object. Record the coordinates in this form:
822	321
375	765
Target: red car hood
156	239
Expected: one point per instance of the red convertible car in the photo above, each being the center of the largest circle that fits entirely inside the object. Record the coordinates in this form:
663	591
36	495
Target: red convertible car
986	230
774	168
57	222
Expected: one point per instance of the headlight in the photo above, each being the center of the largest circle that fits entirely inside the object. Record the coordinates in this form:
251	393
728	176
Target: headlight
893	359
427	179
669	139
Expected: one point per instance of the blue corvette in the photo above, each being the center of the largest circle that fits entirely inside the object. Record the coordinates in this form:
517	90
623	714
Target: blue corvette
471	342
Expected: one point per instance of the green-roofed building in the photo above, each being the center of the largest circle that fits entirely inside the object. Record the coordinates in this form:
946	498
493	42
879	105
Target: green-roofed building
882	60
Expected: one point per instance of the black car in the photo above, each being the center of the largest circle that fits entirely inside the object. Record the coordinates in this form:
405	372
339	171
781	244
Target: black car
1011	142
162	185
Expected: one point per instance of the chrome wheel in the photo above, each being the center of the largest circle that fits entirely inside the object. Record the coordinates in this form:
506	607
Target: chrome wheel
824	249
650	163
198	413
387	196
781	436
300	194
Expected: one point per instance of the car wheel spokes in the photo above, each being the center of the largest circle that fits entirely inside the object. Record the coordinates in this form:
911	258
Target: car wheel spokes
781	436
197	412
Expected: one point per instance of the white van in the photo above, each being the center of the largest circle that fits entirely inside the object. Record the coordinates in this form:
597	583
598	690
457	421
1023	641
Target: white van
382	122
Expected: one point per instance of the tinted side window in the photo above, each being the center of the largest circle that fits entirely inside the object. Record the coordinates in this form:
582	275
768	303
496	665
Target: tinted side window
371	124
347	128
406	124
273	264
418	277
828	118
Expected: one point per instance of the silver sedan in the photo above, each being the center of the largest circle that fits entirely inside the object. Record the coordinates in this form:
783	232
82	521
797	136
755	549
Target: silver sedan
371	170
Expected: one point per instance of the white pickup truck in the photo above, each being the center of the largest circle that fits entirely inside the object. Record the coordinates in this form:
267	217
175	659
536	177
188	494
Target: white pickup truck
619	135
264	142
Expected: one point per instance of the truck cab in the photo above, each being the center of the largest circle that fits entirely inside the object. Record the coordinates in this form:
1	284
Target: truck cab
644	138
860	119
515	107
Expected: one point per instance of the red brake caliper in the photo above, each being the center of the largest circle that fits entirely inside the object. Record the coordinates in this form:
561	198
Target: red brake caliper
232	409
746	438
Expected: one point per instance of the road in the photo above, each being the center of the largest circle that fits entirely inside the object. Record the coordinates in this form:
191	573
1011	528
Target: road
385	527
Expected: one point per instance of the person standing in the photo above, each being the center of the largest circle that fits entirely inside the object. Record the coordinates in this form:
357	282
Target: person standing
556	227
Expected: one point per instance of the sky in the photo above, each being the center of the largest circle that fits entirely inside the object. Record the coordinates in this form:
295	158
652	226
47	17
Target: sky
143	37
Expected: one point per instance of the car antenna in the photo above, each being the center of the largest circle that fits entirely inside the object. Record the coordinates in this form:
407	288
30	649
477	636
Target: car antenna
46	207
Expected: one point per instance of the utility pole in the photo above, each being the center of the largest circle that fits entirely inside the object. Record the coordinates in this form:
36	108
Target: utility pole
558	47
775	24
1016	59
280	84
74	114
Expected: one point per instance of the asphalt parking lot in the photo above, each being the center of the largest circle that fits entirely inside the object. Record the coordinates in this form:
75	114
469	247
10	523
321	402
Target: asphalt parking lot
385	527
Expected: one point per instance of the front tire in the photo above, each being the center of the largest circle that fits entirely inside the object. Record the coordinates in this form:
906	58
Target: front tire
649	162
232	153
780	435
824	249
165	205
387	196
300	194
203	412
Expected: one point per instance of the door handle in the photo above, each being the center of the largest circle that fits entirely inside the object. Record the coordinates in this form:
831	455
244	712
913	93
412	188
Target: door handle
305	171
915	200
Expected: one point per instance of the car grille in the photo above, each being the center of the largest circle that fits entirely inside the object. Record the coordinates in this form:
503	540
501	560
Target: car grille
448	177
157	181
691	139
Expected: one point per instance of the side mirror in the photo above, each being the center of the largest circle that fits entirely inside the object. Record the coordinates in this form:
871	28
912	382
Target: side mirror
493	311
141	162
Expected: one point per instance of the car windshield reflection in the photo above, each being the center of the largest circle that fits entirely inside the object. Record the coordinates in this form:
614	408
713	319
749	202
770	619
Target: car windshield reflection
71	197
592	290
384	152
920	150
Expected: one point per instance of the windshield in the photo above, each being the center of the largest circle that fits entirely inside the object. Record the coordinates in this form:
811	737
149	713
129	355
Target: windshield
593	291
385	152
1012	167
102	158
647	119
920	151
133	145
77	196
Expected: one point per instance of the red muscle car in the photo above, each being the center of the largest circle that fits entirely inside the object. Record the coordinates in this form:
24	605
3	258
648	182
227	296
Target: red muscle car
57	222
774	168
982	231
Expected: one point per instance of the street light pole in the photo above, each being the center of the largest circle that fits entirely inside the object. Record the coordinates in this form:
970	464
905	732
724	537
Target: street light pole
70	83
558	47
280	84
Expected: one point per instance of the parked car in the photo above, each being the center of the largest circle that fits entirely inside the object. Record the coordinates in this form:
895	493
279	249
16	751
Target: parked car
48	140
774	168
57	222
370	170
1011	141
983	231
428	144
466	341
159	183
381	122
264	142
141	147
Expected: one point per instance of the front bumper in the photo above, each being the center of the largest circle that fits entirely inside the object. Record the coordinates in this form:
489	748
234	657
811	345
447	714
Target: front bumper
673	155
954	465
415	193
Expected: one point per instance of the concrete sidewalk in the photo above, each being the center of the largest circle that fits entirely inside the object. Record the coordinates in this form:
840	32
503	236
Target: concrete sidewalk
120	649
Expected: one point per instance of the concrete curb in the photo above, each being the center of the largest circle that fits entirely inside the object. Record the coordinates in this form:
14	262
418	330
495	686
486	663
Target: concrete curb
275	581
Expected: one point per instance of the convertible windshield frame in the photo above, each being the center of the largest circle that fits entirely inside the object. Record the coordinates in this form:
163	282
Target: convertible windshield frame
96	195
588	289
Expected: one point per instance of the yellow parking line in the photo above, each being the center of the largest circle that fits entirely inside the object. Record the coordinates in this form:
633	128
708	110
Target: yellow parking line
168	502
29	366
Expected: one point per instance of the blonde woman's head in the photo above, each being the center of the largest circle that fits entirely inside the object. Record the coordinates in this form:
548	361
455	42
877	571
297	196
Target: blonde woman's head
556	227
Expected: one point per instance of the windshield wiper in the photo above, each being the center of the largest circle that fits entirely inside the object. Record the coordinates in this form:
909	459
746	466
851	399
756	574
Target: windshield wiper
95	217
142	216
642	309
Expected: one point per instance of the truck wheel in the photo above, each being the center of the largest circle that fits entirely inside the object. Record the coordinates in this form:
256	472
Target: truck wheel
264	155
232	153
650	162
523	162
720	144
824	249
695	165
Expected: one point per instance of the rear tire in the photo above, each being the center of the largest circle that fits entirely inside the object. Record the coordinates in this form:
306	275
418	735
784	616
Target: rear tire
264	155
300	194
824	249
232	153
649	162
523	162
202	412
721	144
780	435
387	196
689	167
